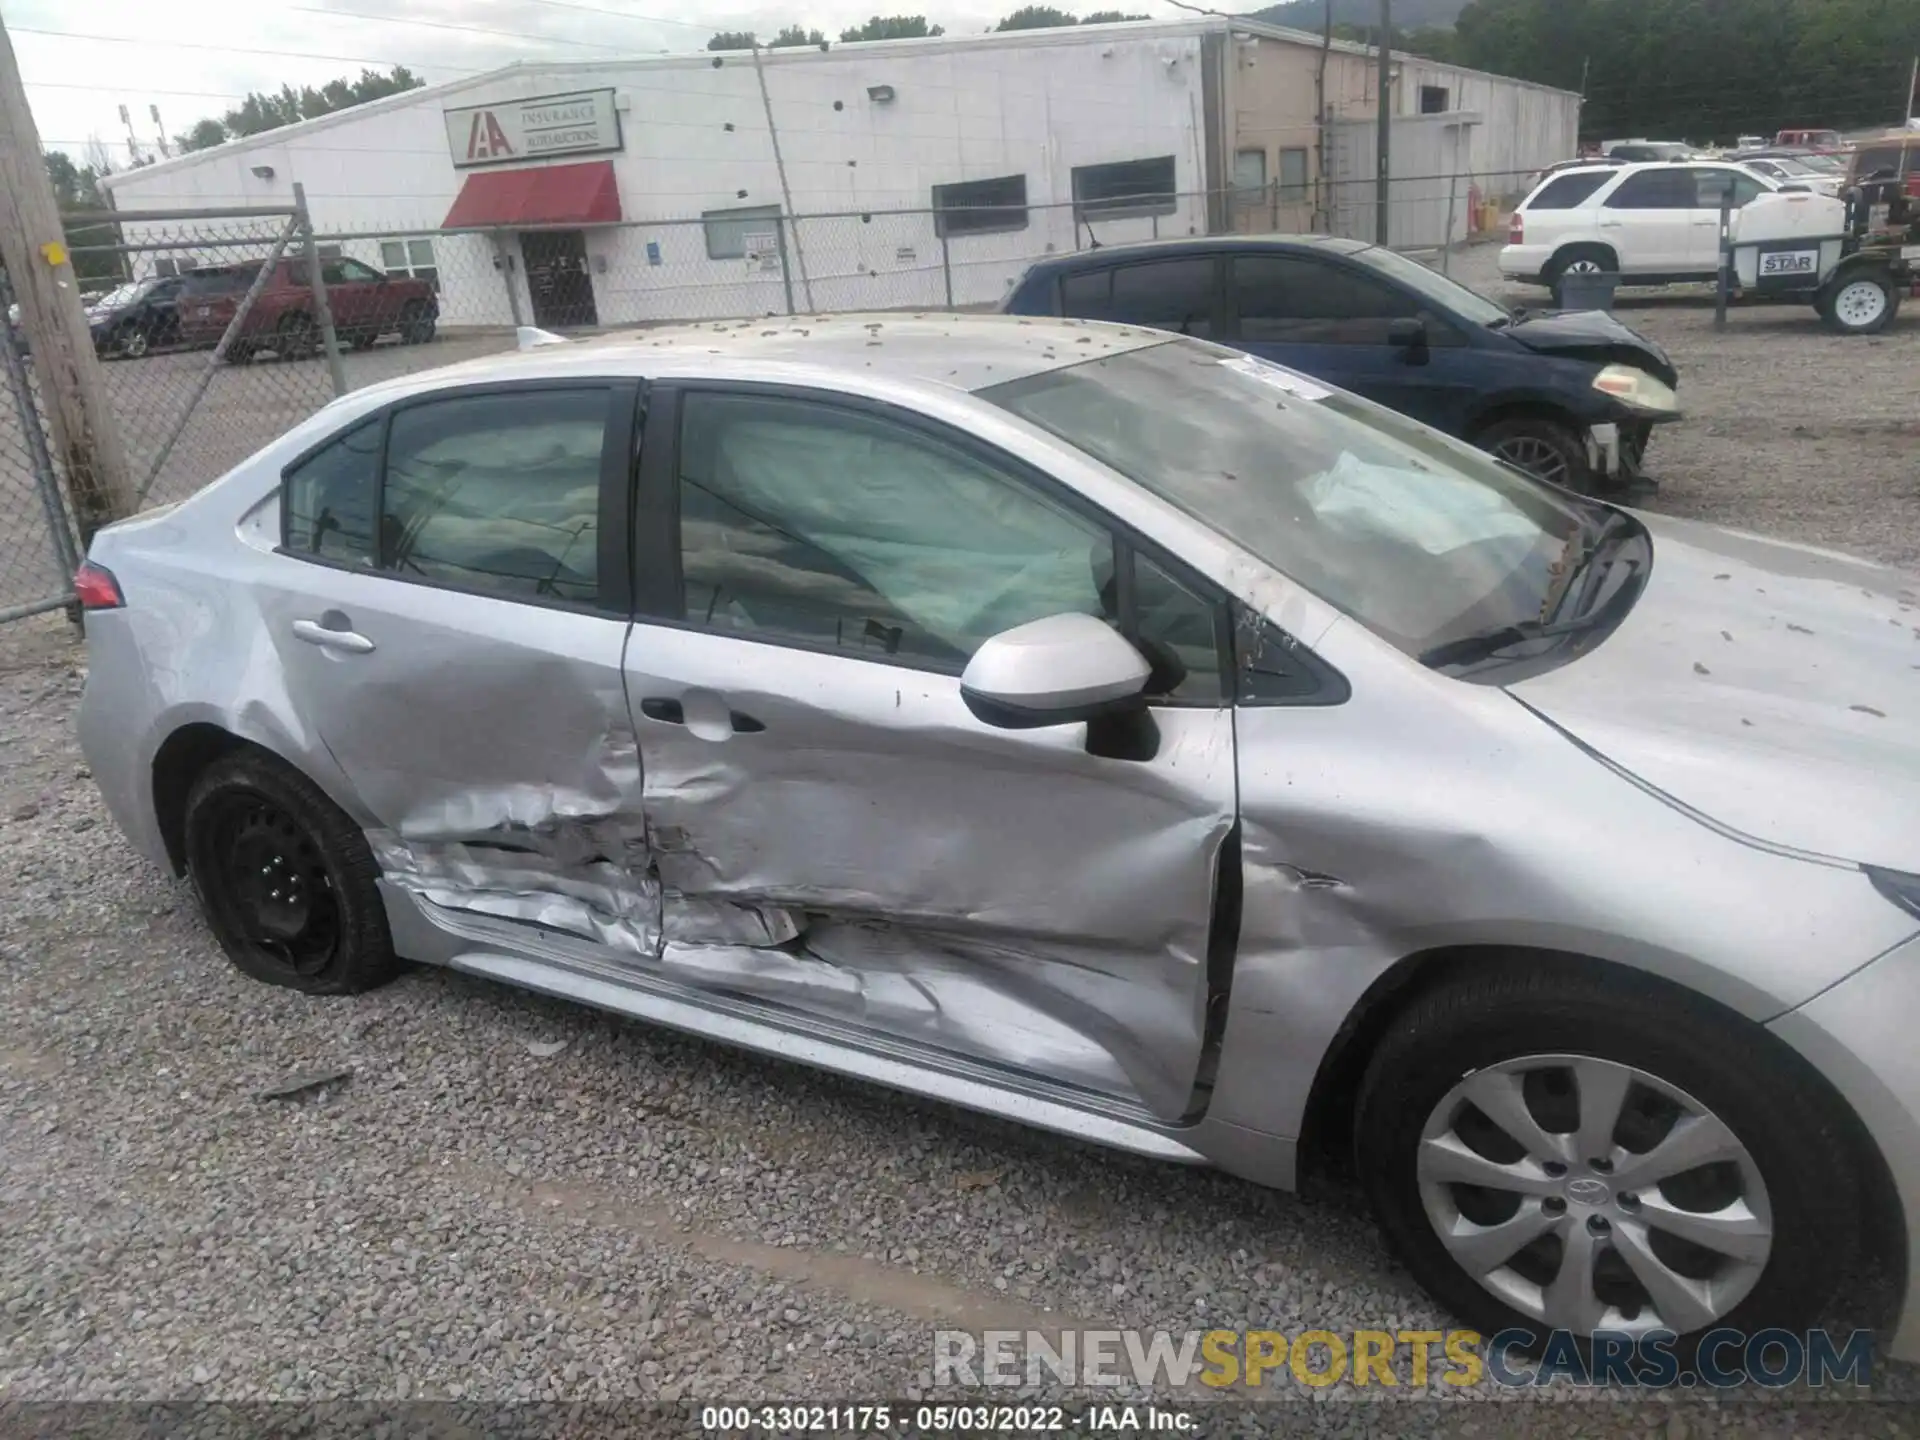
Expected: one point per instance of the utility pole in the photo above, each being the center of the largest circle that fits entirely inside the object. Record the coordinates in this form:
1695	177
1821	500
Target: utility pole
1383	158
33	247
1913	87
161	130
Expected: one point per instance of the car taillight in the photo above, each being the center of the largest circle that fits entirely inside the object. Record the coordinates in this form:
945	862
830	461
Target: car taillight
1517	231
96	589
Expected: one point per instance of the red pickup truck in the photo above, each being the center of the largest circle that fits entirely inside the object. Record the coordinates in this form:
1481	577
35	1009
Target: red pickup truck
365	305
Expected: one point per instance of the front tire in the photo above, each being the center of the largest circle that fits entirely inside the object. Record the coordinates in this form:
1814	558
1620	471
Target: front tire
1553	1148
416	324
285	878
1862	304
1549	449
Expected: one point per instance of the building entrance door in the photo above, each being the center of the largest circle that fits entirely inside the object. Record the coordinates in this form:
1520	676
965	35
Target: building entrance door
557	277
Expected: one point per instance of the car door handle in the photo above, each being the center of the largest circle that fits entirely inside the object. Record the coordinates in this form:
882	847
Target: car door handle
672	712
314	633
1610	224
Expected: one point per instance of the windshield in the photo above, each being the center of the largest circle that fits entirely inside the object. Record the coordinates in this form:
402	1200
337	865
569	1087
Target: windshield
1420	538
124	295
1445	294
1820	164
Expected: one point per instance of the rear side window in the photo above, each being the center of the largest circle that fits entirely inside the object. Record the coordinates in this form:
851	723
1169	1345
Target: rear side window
329	499
1564	192
1174	294
1655	190
496	493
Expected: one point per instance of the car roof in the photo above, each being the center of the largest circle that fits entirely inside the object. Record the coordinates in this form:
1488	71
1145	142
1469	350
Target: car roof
1147	249
919	351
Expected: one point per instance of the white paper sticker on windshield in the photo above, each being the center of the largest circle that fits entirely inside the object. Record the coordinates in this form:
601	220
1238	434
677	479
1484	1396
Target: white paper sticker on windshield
1298	386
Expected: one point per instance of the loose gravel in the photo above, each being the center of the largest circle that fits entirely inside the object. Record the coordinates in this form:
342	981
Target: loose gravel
477	1195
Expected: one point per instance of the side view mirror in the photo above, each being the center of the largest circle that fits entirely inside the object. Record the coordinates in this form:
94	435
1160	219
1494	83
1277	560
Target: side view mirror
1053	671
1410	337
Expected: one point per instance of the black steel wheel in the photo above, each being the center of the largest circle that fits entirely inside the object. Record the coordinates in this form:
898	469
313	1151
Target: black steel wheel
296	337
286	878
416	324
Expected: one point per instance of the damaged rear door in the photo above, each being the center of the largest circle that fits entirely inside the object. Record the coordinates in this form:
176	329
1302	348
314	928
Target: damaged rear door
449	609
834	830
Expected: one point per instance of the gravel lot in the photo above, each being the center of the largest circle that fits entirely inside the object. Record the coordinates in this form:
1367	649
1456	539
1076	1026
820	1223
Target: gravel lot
470	1215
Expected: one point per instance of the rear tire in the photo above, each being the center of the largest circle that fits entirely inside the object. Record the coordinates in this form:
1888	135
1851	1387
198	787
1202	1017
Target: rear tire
1549	449
416	324
285	878
1580	260
1862	304
295	337
1783	1202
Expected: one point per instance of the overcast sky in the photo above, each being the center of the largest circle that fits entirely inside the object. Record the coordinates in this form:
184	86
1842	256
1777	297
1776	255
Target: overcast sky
196	59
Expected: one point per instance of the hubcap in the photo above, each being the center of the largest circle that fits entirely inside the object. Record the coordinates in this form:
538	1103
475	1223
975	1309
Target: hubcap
137	344
1582	267
1535	456
1859	304
1590	1196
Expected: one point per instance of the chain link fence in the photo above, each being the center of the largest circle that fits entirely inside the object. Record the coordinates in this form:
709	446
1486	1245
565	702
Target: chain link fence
215	337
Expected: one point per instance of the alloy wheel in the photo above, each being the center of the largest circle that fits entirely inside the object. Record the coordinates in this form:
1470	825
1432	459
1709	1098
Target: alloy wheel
135	345
1590	1195
1582	267
1535	456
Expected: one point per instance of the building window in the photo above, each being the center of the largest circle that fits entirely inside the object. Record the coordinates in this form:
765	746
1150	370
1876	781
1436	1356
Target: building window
1249	178
1127	187
410	258
980	207
1434	99
728	230
1293	177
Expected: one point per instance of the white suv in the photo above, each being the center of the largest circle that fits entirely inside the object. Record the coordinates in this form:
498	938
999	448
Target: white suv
1652	224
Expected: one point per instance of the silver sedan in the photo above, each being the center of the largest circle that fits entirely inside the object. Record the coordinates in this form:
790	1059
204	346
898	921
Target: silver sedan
1092	727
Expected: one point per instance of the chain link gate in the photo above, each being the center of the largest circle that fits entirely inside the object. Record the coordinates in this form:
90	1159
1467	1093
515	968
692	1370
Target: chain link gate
37	551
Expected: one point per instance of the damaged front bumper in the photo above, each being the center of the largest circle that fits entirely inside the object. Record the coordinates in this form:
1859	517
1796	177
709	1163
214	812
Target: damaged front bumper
1617	449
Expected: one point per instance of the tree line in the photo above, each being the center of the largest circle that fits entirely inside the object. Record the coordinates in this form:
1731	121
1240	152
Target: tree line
911	27
1697	70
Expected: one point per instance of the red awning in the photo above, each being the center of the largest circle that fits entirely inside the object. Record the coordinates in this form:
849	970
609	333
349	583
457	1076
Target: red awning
551	195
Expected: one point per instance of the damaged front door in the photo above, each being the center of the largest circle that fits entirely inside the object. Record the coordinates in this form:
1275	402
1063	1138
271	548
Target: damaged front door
834	830
449	608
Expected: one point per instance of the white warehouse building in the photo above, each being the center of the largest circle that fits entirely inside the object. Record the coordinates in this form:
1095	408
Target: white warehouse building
904	173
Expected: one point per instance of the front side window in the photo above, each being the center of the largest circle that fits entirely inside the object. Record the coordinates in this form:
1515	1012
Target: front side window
496	493
1419	537
1174	294
1290	299
1712	185
838	530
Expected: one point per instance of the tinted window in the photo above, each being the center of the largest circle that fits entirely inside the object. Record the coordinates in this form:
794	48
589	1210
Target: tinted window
1171	616
729	232
1655	190
976	207
329	499
835	529
1711	185
1293	299
1174	294
1878	160
1564	192
498	493
220	282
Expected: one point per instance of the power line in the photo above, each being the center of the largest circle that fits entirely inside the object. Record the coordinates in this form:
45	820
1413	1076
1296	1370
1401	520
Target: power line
241	50
620	14
451	25
135	87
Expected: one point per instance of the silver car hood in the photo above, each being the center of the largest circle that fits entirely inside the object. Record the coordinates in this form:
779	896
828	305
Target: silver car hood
1774	688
